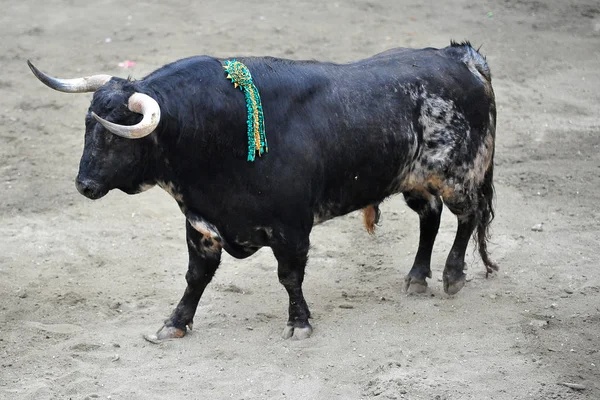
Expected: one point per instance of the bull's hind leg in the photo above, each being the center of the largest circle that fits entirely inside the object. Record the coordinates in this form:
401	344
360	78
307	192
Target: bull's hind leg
204	257
454	277
429	208
292	256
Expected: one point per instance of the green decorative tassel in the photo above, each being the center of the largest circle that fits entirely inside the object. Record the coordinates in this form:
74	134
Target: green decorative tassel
240	76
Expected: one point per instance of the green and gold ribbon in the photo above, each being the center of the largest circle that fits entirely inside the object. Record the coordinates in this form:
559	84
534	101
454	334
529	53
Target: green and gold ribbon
240	76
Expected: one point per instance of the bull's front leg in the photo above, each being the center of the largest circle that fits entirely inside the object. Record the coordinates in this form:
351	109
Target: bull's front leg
204	250
291	258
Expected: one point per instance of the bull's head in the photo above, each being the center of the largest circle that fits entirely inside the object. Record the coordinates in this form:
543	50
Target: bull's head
111	160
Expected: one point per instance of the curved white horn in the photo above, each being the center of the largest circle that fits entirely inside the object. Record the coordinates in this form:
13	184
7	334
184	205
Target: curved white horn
77	85
142	104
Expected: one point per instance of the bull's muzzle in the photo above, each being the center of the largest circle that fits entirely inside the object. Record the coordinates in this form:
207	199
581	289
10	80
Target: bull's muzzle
90	189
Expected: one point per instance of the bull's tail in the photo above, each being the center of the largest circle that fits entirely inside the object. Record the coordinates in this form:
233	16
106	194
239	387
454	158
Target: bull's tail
485	196
478	66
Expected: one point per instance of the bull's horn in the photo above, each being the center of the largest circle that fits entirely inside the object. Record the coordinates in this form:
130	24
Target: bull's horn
142	104
77	85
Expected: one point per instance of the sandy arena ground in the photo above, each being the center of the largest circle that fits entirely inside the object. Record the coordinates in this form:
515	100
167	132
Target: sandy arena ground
81	281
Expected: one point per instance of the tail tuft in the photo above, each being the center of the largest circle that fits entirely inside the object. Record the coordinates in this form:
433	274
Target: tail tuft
486	207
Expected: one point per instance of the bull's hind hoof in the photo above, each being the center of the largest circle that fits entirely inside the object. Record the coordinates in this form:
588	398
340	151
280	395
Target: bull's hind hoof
414	285
452	285
297	332
164	333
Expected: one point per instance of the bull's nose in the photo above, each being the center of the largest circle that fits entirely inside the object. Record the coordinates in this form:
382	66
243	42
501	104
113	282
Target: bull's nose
89	188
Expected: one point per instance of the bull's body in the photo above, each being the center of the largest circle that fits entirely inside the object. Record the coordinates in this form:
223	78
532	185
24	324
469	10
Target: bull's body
341	138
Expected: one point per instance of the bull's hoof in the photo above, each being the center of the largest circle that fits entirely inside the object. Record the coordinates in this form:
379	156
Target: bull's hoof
164	333
452	285
414	285
297	332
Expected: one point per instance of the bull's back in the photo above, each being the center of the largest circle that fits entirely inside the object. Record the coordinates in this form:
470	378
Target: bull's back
340	136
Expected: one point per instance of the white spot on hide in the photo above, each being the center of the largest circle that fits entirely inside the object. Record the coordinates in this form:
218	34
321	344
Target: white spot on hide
170	188
144	186
204	227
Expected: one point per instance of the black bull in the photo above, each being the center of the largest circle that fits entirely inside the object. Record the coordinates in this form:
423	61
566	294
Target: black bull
341	138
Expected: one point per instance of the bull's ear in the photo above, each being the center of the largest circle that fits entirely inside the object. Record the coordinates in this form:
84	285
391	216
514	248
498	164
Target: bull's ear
76	85
139	103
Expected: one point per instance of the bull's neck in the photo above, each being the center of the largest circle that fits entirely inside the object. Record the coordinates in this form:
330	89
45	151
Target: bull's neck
173	165
165	172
